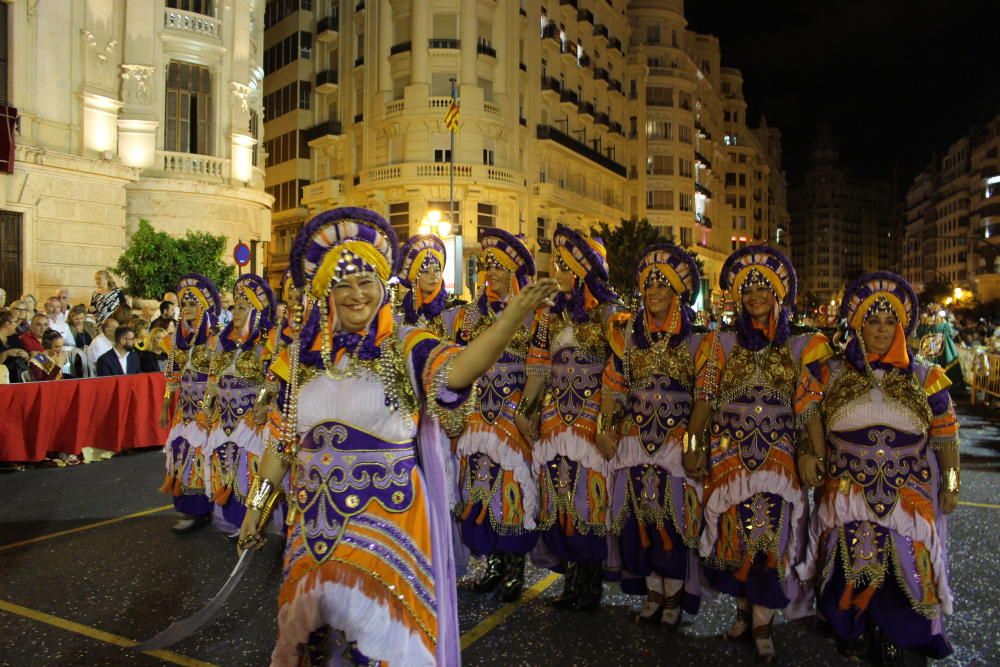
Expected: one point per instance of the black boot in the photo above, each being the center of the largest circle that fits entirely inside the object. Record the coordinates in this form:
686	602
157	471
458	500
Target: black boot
571	587
513	578
493	575
591	587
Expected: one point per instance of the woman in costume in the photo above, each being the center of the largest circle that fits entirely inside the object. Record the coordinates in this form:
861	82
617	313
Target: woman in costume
498	495
421	268
655	505
188	368
368	570
239	362
937	346
755	509
879	530
568	353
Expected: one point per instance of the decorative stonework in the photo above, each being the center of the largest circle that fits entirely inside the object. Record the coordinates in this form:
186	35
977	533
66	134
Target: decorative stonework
137	83
101	55
240	96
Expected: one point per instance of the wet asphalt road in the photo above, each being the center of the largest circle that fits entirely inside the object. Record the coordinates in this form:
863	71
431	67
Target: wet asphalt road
74	599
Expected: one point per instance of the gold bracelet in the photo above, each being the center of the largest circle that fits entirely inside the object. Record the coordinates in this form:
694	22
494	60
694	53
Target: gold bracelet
526	408
605	422
952	480
692	443
260	493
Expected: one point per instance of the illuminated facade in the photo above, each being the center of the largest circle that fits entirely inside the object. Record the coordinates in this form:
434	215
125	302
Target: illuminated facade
128	111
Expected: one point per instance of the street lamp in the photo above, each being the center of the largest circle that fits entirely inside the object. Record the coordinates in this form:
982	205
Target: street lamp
433	224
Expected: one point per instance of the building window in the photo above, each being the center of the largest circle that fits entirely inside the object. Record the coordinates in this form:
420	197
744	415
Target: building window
686	203
487	216
660	165
686	135
441	142
196	6
652	34
658	96
660	200
489	155
685	167
189	109
659	129
542	231
685	234
287	195
255	133
399	218
291	48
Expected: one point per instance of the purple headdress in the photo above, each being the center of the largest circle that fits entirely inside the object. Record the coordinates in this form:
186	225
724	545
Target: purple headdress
196	288
416	254
587	260
880	291
255	292
766	266
676	267
510	253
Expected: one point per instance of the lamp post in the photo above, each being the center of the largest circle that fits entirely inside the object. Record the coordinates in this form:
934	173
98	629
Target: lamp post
434	223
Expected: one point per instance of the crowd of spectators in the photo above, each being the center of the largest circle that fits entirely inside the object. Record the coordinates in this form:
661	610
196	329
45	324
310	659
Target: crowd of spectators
62	341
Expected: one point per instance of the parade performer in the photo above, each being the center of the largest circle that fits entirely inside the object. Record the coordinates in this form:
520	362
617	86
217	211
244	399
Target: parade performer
239	362
655	505
755	509
421	268
567	356
879	530
937	346
498	495
188	368
368	572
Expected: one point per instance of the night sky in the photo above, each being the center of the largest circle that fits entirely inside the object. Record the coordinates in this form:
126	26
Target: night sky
896	79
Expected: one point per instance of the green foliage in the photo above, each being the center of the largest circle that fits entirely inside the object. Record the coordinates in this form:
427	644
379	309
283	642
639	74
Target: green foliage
626	244
153	260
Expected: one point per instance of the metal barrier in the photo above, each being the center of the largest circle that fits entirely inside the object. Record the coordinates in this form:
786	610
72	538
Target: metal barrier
985	371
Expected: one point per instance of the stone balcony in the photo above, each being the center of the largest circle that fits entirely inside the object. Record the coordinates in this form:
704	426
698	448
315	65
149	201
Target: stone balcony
439	172
183	23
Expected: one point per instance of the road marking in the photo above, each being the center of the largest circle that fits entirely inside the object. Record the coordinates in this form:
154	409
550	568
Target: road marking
89	526
503	613
986	505
99	635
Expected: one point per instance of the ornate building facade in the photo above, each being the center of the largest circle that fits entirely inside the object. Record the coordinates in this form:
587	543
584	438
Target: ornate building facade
127	111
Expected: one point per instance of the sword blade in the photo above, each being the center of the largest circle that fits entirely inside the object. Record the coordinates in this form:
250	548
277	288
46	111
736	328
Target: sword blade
188	626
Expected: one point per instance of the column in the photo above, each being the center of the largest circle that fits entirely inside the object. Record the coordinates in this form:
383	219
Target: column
385	40
506	55
420	29
468	32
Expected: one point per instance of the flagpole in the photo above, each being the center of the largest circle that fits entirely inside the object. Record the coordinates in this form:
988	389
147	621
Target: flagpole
451	188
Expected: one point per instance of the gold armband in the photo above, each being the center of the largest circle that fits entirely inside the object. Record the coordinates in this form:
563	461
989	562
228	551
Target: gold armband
693	443
952	480
526	408
605	422
262	496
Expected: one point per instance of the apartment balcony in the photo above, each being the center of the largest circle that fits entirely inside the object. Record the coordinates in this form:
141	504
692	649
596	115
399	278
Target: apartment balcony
551	31
360	6
552	134
551	196
402	47
698	187
585	16
359	117
569	3
324	194
616	44
552	85
179	23
586	109
444	43
326	130
440	172
602	119
569	97
327	28
616	127
584	61
568	52
616	87
522	67
703	220
601	74
702	160
359	61
486	49
190	166
702	132
326	81
601	31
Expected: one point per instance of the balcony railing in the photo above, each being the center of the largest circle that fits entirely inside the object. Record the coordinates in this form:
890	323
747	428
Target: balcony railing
616	127
486	49
441	171
326	81
522	67
585	16
359	61
326	128
191	165
582	149
550	31
444	43
549	83
192	22
359	117
402	47
327	27
615	43
601	31
570	97
586	109
616	87
602	118
584	61
570	3
703	190
602	74
703	160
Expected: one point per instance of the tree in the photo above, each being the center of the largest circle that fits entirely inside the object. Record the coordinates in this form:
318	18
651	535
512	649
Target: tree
936	292
153	260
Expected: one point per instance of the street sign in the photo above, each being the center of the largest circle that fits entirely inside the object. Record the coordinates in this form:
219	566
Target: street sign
241	254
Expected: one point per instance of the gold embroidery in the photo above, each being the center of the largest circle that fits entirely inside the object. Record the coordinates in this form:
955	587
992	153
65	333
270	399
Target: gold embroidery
589	337
249	366
849	386
201	359
659	359
771	368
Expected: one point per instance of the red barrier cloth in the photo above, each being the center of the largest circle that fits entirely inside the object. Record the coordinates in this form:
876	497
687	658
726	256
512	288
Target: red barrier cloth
113	413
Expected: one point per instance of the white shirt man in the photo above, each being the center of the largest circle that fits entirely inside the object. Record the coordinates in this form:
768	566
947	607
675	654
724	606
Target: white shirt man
103	342
53	312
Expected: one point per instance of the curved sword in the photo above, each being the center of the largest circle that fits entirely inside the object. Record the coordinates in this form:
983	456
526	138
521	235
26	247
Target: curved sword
188	626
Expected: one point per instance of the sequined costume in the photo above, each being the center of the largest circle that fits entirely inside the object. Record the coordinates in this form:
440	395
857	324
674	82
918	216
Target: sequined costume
497	491
569	350
655	505
878	539
417	309
755	509
188	368
368	571
239	363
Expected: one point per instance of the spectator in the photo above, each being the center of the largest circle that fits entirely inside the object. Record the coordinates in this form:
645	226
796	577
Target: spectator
107	298
152	356
48	364
172	298
280	312
122	359
139	326
102	343
77	321
19	309
57	321
31	303
123	314
32	341
226	315
12	355
3	298
166	318
64	305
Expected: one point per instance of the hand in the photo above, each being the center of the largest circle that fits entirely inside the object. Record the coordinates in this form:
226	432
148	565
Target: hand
528	426
812	471
948	501
607	443
695	465
249	538
260	411
533	297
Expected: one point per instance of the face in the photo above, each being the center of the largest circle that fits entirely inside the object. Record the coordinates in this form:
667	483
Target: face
878	332
241	314
39	324
76	320
57	347
127	342
108	328
64	298
499	279
99	280
157	341
564	279
357	298
52	307
758	301
281	312
428	279
189	311
169	312
659	297
21	312
9	328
